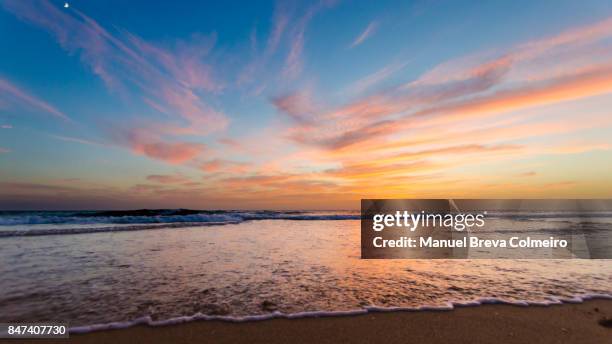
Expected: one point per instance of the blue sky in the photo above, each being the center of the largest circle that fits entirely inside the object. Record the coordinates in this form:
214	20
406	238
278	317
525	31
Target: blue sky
108	104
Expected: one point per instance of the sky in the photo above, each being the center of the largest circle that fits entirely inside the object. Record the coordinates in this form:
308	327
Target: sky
301	105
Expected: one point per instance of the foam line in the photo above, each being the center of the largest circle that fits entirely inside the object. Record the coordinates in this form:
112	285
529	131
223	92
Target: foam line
89	230
160	224
147	320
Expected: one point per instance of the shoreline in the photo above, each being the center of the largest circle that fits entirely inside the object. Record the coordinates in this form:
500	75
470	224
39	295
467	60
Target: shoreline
449	306
500	323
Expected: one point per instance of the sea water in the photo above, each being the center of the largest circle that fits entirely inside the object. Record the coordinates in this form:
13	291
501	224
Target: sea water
88	268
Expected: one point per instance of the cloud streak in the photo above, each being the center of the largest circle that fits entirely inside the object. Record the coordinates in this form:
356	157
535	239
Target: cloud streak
169	82
365	34
294	62
11	93
168	178
377	77
76	140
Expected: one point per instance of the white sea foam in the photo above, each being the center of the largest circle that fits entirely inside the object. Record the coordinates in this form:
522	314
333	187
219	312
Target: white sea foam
449	306
57	223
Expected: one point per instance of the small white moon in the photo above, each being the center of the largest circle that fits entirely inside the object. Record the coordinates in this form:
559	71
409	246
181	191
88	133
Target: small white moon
66	5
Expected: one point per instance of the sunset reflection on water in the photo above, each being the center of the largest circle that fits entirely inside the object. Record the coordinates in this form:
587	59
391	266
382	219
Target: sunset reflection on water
255	267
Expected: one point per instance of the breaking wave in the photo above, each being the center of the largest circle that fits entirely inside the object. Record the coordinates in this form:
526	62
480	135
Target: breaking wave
34	223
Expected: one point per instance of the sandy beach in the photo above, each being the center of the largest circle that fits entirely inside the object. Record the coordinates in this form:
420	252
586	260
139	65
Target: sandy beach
568	323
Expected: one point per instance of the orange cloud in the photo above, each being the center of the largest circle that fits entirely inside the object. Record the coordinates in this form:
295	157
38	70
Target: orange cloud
446	151
220	165
174	153
595	82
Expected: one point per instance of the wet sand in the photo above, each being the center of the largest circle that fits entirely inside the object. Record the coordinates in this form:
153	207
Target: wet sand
568	323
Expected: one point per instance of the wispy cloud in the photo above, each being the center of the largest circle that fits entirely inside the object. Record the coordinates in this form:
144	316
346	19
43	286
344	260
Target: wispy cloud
294	63
365	34
404	107
4	150
6	126
77	140
280	21
375	78
225	166
13	94
170	82
168	178
35	187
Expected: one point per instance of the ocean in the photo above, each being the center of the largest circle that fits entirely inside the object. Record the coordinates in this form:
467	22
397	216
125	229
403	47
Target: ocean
100	269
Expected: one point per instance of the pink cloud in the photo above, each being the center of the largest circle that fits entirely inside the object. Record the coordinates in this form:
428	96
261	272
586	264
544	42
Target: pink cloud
171	152
581	35
151	144
298	105
368	116
582	84
185	65
569	44
211	166
4	150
